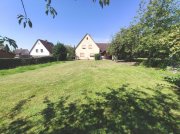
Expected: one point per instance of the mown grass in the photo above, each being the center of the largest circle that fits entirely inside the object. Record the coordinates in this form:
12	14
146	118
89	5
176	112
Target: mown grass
25	68
88	97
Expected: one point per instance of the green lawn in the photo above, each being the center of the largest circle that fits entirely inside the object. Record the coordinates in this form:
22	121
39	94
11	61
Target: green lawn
87	97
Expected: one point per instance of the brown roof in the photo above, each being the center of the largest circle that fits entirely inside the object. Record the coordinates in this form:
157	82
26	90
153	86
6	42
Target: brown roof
21	51
4	54
48	45
102	46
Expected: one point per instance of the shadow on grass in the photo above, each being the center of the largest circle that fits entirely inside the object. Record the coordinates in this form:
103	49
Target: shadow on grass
19	125
18	107
117	111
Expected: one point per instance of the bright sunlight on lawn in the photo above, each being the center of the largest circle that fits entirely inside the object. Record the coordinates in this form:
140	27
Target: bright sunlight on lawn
87	97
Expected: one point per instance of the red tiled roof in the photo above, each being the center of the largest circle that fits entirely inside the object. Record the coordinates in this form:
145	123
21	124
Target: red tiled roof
102	46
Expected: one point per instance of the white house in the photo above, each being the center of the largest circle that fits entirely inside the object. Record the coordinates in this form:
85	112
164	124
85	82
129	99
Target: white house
41	48
87	48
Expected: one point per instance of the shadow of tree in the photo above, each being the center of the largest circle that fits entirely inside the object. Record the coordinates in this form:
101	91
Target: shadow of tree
116	111
19	125
18	107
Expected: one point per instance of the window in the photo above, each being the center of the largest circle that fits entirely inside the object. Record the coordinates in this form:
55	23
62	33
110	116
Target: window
83	46
90	46
86	38
36	50
41	50
91	55
81	54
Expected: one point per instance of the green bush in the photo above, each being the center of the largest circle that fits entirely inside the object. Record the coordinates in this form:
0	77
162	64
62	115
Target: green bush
97	57
60	52
161	63
174	80
12	63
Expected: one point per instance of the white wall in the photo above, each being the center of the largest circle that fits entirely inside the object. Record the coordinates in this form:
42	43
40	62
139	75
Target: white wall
86	42
39	46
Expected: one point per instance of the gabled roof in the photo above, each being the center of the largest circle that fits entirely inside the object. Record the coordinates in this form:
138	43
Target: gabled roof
21	51
48	45
103	46
83	39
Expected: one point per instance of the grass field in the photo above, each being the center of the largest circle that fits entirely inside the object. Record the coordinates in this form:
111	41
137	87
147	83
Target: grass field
87	97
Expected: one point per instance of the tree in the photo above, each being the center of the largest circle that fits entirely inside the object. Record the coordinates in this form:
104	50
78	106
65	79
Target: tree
70	52
60	52
157	22
154	34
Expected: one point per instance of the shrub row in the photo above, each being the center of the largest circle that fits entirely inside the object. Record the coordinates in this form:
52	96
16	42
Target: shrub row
160	63
7	63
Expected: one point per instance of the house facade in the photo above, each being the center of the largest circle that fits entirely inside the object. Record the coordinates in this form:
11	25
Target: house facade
87	48
41	48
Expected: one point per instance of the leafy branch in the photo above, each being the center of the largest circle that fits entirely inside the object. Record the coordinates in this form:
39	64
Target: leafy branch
6	42
49	9
24	17
103	2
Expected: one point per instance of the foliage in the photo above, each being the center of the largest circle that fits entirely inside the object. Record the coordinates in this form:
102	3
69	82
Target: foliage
97	57
60	52
49	10
12	62
174	80
156	62
25	20
103	2
8	42
24	17
155	34
70	52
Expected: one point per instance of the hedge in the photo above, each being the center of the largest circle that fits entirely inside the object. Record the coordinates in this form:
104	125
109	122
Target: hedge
6	63
160	63
97	57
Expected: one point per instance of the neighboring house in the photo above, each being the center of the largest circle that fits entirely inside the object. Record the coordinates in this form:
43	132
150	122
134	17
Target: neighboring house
87	48
42	48
4	54
22	53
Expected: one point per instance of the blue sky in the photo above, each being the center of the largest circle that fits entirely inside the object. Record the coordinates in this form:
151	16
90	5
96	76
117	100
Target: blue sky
75	19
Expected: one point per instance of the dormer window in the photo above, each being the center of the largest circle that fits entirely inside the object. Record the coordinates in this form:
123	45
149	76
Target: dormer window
83	46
